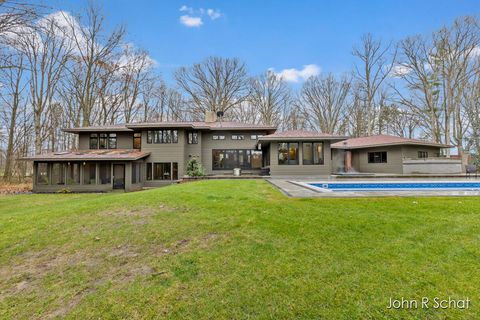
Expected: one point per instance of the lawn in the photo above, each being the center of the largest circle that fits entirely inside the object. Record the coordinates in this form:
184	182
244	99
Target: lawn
234	250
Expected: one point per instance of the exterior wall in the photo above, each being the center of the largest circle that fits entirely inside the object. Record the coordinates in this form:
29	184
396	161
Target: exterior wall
300	169
394	163
124	140
432	166
165	152
411	152
208	144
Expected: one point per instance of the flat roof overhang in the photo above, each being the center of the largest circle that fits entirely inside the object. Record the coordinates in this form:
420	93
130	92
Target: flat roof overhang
423	144
88	156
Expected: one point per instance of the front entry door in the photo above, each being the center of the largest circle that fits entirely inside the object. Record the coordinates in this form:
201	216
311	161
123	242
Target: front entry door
118	176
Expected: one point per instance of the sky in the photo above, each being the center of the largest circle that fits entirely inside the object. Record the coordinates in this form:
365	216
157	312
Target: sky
294	38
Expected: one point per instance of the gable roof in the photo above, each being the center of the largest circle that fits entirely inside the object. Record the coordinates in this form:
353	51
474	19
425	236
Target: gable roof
383	140
300	135
86	155
196	125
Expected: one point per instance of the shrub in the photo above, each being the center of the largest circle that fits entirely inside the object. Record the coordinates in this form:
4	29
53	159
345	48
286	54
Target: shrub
194	168
64	190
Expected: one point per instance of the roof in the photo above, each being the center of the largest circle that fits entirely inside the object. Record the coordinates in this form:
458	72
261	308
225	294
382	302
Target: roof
197	125
106	128
383	140
89	155
300	134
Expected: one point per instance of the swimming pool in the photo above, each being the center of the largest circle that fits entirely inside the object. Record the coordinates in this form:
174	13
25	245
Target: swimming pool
328	186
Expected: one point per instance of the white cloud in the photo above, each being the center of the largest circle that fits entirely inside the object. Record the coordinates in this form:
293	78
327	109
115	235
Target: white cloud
400	70
214	14
190	21
193	17
475	52
295	75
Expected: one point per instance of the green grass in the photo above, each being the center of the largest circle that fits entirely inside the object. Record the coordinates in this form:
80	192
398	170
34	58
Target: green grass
234	250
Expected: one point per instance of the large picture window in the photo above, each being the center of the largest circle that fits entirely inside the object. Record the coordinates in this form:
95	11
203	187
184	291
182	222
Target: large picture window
377	157
162	136
288	153
313	153
162	171
236	158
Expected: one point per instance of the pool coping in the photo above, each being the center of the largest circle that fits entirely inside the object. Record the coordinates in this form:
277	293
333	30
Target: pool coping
302	189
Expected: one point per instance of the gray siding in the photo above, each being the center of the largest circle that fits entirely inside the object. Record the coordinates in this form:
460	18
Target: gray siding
411	152
394	160
300	169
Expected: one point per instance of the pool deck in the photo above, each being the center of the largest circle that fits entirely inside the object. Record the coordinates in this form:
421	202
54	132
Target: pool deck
294	188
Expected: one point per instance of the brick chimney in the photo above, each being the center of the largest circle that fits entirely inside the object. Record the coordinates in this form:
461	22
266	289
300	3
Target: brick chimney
210	116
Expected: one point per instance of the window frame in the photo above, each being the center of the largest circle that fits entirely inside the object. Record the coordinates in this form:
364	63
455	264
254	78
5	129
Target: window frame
93	137
137	140
289	160
422	154
372	156
237	136
320	161
218	137
192	137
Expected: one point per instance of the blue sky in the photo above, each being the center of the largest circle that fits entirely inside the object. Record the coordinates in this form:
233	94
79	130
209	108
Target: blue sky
270	34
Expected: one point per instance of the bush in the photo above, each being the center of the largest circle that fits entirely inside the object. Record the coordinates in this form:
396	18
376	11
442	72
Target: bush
64	190
194	168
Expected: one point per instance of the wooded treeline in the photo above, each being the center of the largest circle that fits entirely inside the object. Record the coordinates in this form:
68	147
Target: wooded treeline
60	70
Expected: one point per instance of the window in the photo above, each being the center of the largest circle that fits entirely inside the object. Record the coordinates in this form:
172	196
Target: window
174	171
162	171
136	172
238	137
192	138
422	154
149	171
255	136
89	173
313	153
137	140
288	153
236	158
42	173
218	137
149	136
103	140
94	141
112	141
105	173
162	136
73	173
58	173
377	157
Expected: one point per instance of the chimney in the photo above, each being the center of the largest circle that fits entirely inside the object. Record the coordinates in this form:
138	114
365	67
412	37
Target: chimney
210	116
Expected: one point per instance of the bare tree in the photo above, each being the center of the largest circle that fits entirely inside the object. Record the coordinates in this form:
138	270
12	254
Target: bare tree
269	94
11	97
216	84
326	99
95	55
46	56
376	63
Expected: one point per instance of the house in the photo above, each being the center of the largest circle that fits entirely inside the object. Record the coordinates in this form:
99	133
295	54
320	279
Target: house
393	155
151	154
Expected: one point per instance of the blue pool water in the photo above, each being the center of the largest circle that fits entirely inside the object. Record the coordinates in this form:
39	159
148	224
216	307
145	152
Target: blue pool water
406	186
